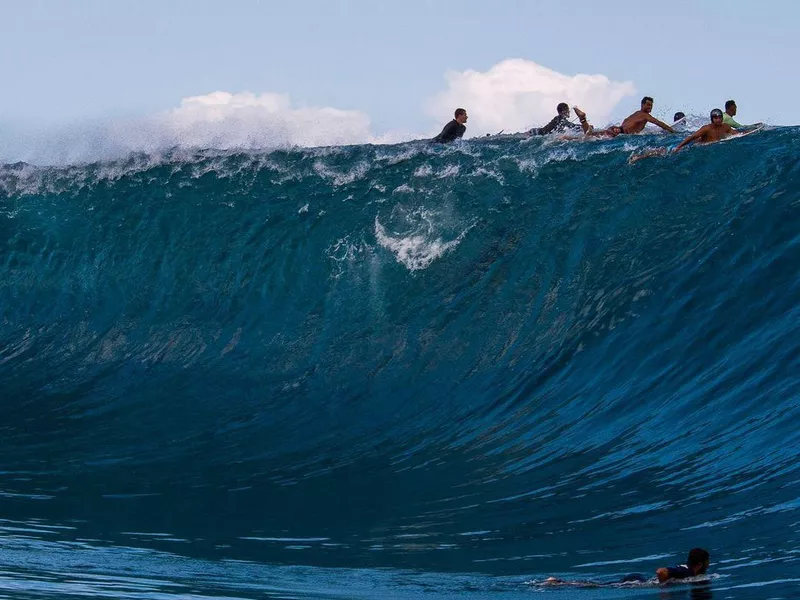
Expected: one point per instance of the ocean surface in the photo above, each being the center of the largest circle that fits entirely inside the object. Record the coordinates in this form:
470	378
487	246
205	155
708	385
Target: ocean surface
402	371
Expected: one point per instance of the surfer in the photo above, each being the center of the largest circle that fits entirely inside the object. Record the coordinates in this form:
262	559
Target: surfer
696	564
679	121
713	132
707	134
561	123
454	129
730	112
633	124
636	122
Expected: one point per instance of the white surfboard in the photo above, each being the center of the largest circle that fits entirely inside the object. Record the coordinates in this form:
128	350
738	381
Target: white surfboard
739	135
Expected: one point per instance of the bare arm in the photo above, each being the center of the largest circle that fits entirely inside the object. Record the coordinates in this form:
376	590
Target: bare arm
661	124
582	119
694	137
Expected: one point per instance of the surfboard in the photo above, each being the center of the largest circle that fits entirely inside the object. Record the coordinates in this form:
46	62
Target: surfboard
679	122
739	135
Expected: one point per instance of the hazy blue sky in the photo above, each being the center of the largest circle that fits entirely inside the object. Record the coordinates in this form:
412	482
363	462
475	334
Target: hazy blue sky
68	61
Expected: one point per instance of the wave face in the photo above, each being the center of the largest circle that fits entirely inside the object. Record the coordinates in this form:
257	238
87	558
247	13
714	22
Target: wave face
362	371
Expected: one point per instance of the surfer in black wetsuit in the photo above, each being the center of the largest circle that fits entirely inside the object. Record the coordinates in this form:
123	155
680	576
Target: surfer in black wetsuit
561	123
454	129
696	564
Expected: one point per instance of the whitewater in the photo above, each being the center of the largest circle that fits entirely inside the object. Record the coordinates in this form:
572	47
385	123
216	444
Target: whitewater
393	370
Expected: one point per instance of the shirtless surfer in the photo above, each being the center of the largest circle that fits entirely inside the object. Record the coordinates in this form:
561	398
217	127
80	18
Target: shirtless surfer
633	124
714	132
636	122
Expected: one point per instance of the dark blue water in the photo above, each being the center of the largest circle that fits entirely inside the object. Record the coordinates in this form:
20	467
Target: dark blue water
392	371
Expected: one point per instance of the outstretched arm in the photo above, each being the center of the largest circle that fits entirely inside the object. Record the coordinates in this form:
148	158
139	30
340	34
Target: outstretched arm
695	136
729	120
661	124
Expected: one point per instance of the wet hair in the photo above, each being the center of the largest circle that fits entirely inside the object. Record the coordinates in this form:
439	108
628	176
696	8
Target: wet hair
697	556
562	107
678	116
716	113
460	111
646	98
729	103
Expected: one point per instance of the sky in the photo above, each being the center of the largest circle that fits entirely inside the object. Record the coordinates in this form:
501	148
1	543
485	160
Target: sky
125	74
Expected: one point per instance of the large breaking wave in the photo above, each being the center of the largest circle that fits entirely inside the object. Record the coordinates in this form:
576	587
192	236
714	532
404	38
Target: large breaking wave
421	368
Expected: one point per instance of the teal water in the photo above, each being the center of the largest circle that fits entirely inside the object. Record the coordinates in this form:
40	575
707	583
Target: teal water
388	371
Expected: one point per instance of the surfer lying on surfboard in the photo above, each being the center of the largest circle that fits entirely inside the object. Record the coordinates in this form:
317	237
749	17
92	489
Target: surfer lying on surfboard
635	123
697	564
714	132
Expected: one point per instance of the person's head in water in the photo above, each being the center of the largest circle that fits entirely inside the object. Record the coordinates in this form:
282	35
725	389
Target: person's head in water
563	109
698	560
647	104
678	116
716	116
461	115
730	108
614	130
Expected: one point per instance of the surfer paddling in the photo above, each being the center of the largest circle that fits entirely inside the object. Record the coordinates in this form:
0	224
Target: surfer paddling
696	564
636	122
454	129
730	112
707	134
713	132
560	123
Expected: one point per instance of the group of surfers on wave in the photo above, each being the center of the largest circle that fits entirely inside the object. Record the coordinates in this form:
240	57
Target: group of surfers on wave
722	125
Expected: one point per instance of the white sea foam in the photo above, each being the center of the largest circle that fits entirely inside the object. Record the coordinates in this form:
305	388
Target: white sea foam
354	174
423	171
417	249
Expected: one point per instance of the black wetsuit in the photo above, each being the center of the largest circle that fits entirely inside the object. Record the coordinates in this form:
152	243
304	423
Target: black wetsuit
679	572
452	131
559	124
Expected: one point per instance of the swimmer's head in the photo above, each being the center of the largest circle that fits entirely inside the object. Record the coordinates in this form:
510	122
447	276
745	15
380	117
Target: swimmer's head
678	116
716	114
461	115
698	560
563	109
614	130
647	104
